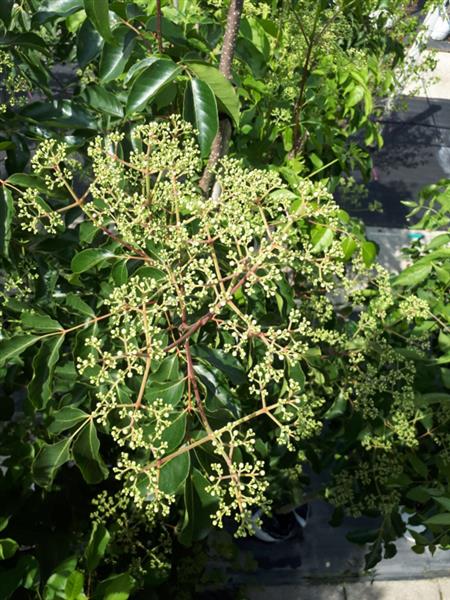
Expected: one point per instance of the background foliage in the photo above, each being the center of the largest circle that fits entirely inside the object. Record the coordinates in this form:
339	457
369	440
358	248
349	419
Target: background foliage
308	81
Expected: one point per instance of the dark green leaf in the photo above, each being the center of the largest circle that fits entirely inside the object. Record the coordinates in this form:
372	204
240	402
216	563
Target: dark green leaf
66	418
44	362
174	434
39	322
78	305
88	259
13	347
444	502
228	364
96	547
139	66
64	114
103	101
150	82
119	272
374	556
337	408
440	519
48	460
89	44
28	181
8	548
169	391
220	85
5	10
61	7
115	56
362	536
117	587
98	12
200	108
173	473
6	216
199	507
86	455
26	40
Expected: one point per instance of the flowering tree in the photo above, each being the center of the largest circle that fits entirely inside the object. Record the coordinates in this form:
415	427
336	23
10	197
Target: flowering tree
171	359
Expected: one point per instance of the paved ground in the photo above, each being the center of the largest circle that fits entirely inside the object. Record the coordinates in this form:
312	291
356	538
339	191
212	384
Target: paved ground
435	589
437	83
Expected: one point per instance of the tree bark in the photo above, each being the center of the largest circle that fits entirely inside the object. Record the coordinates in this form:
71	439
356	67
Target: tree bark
222	139
159	26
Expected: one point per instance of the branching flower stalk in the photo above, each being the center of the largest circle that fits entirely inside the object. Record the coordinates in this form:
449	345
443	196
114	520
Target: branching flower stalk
196	355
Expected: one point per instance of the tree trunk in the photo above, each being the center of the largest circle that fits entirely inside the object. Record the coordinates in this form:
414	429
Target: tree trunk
221	141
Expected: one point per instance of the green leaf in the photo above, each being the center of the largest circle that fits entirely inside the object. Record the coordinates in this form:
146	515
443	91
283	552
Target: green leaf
445	502
96	547
39	322
369	253
349	246
8	548
26	40
117	587
199	507
173	473
6	217
25	574
98	12
119	272
88	259
5	10
444	341
27	181
66	418
169	391
115	56
222	88
61	7
48	460
74	585
4	522
362	536
13	347
89	44
61	113
87	457
355	96
139	66
174	434
413	275
103	101
321	238
338	407
150	82
168	370
44	362
228	364
440	519
200	108
78	305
